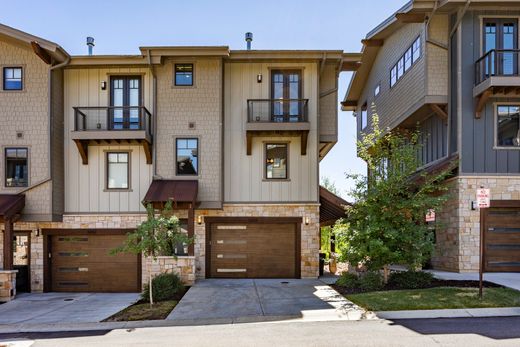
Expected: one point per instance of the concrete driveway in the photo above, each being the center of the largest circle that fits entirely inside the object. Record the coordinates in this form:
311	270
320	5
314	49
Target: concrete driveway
44	308
247	300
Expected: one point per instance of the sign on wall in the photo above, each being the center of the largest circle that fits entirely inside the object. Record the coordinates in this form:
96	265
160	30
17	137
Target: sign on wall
430	216
483	198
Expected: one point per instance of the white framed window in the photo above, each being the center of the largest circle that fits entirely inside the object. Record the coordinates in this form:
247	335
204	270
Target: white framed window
276	161
118	170
416	50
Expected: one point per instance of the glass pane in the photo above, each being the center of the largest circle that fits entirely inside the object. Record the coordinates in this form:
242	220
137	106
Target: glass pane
21	153
17	73
192	143
10	153
187	157
408	59
416	50
16	169
112	157
400	68
276	161
508	126
508	43
122	157
118	175
183	74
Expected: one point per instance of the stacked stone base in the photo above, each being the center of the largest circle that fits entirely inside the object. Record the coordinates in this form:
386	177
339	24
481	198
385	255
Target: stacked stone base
184	267
7	285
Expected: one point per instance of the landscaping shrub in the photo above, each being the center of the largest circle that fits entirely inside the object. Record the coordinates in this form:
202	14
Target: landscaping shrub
164	287
370	281
348	280
410	279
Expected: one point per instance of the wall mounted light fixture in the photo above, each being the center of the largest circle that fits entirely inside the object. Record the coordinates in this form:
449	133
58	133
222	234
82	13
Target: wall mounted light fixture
37	232
259	78
103	85
307	220
199	220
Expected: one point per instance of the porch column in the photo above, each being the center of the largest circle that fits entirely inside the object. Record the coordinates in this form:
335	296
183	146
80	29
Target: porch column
8	244
191	228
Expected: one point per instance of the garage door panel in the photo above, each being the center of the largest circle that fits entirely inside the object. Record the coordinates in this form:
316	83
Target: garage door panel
83	263
502	240
253	250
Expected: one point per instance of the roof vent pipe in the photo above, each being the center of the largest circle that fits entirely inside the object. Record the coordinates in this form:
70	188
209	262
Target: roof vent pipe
90	44
249	39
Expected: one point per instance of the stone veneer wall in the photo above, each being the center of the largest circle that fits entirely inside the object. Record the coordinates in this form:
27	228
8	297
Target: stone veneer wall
182	266
7	285
458	242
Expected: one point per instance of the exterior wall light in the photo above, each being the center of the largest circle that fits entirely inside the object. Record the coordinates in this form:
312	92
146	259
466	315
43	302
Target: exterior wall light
307	220
103	85
199	220
259	78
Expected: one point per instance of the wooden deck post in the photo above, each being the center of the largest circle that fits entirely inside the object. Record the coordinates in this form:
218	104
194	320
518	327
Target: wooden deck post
191	228
8	244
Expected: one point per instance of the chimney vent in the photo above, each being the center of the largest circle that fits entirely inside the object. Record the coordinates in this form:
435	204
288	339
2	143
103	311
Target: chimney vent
90	44
249	39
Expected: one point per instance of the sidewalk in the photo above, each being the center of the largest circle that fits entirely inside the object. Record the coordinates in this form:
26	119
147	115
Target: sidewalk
506	279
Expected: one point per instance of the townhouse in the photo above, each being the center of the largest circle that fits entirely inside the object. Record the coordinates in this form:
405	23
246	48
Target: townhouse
452	67
232	137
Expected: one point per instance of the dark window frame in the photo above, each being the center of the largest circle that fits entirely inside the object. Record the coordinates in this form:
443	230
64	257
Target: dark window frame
107	170
497	144
175	74
286	177
26	164
197	169
285	72
364	111
415	56
22	80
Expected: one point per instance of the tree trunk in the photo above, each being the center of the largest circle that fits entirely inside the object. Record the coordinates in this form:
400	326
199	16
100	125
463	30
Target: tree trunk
150	289
386	274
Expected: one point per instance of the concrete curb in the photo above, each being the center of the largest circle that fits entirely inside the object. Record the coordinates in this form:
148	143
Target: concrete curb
455	313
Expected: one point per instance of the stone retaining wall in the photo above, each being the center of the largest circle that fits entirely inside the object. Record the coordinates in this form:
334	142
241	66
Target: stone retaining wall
182	266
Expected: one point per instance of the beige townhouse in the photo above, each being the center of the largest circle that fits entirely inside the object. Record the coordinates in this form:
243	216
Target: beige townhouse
451	67
232	137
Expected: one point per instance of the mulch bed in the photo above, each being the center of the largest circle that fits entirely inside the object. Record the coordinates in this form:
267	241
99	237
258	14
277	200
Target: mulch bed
434	284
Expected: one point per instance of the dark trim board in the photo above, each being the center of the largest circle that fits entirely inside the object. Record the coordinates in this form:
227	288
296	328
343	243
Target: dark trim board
27	233
297	221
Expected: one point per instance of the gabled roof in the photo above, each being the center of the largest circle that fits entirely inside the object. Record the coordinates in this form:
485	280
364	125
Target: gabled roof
48	51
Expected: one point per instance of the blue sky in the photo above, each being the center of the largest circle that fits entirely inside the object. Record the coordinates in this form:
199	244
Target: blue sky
120	27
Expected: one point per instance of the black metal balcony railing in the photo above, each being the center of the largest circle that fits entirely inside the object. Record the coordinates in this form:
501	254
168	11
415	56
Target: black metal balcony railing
497	62
112	118
277	110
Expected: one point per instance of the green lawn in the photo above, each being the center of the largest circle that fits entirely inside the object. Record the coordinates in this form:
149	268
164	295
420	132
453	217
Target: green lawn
436	298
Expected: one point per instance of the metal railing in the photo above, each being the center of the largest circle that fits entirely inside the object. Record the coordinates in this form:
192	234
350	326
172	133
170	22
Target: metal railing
277	110
112	118
497	62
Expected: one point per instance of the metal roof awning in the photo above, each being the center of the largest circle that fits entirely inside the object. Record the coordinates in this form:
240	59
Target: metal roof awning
332	207
11	205
177	191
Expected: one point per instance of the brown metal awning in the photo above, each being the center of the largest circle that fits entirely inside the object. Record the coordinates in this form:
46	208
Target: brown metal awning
178	191
332	207
11	205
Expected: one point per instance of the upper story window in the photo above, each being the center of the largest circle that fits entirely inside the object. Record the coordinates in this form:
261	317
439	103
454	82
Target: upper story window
508	126
184	74
286	92
118	170
13	78
187	156
405	62
377	89
16	167
364	116
276	155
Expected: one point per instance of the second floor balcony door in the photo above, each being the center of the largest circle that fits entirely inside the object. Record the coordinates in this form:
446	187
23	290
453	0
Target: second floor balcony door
500	44
286	92
125	101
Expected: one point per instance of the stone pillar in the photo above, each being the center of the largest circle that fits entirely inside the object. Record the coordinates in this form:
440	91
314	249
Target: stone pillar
7	285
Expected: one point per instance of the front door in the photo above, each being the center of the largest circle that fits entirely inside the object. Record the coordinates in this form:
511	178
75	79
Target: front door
286	92
500	36
22	260
125	100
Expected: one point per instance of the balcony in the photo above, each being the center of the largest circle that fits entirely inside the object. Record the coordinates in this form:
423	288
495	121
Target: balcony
496	74
277	117
109	125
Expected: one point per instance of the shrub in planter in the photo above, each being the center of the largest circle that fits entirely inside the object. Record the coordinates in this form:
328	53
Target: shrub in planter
348	280
370	281
164	287
410	279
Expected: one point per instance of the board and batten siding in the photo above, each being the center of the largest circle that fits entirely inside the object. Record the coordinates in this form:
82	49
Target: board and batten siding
85	184
244	175
329	104
434	139
478	155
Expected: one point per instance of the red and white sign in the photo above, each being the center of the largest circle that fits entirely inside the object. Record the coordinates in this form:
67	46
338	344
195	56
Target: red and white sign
430	216
483	198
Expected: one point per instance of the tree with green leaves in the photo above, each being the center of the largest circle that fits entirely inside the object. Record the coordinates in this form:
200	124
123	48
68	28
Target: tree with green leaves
386	224
329	185
154	237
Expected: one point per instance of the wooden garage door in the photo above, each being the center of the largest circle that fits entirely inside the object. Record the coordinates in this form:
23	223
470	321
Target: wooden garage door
82	263
254	250
502	240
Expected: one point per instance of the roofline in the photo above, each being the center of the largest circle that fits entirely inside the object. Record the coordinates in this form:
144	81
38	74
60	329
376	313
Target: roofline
390	20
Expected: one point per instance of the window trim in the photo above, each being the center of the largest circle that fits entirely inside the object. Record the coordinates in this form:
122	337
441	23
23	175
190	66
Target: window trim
4	151
287	173
377	89
364	108
403	61
174	84
22	67
177	153
128	171
495	126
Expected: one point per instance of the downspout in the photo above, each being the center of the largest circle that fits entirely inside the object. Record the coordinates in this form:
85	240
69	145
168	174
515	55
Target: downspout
427	29
154	115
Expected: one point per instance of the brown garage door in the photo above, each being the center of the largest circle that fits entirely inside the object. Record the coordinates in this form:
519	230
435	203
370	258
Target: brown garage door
254	250
82	263
502	240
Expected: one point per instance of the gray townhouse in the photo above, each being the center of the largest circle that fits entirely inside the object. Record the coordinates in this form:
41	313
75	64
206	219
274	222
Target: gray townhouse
452	67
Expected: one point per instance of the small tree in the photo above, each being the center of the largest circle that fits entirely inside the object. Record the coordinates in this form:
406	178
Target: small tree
153	236
386	224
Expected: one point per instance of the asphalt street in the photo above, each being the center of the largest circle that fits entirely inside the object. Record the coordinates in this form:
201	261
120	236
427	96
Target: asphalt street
504	331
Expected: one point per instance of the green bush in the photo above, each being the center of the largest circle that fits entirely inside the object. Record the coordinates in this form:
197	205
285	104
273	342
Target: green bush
348	280
371	281
165	286
410	279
